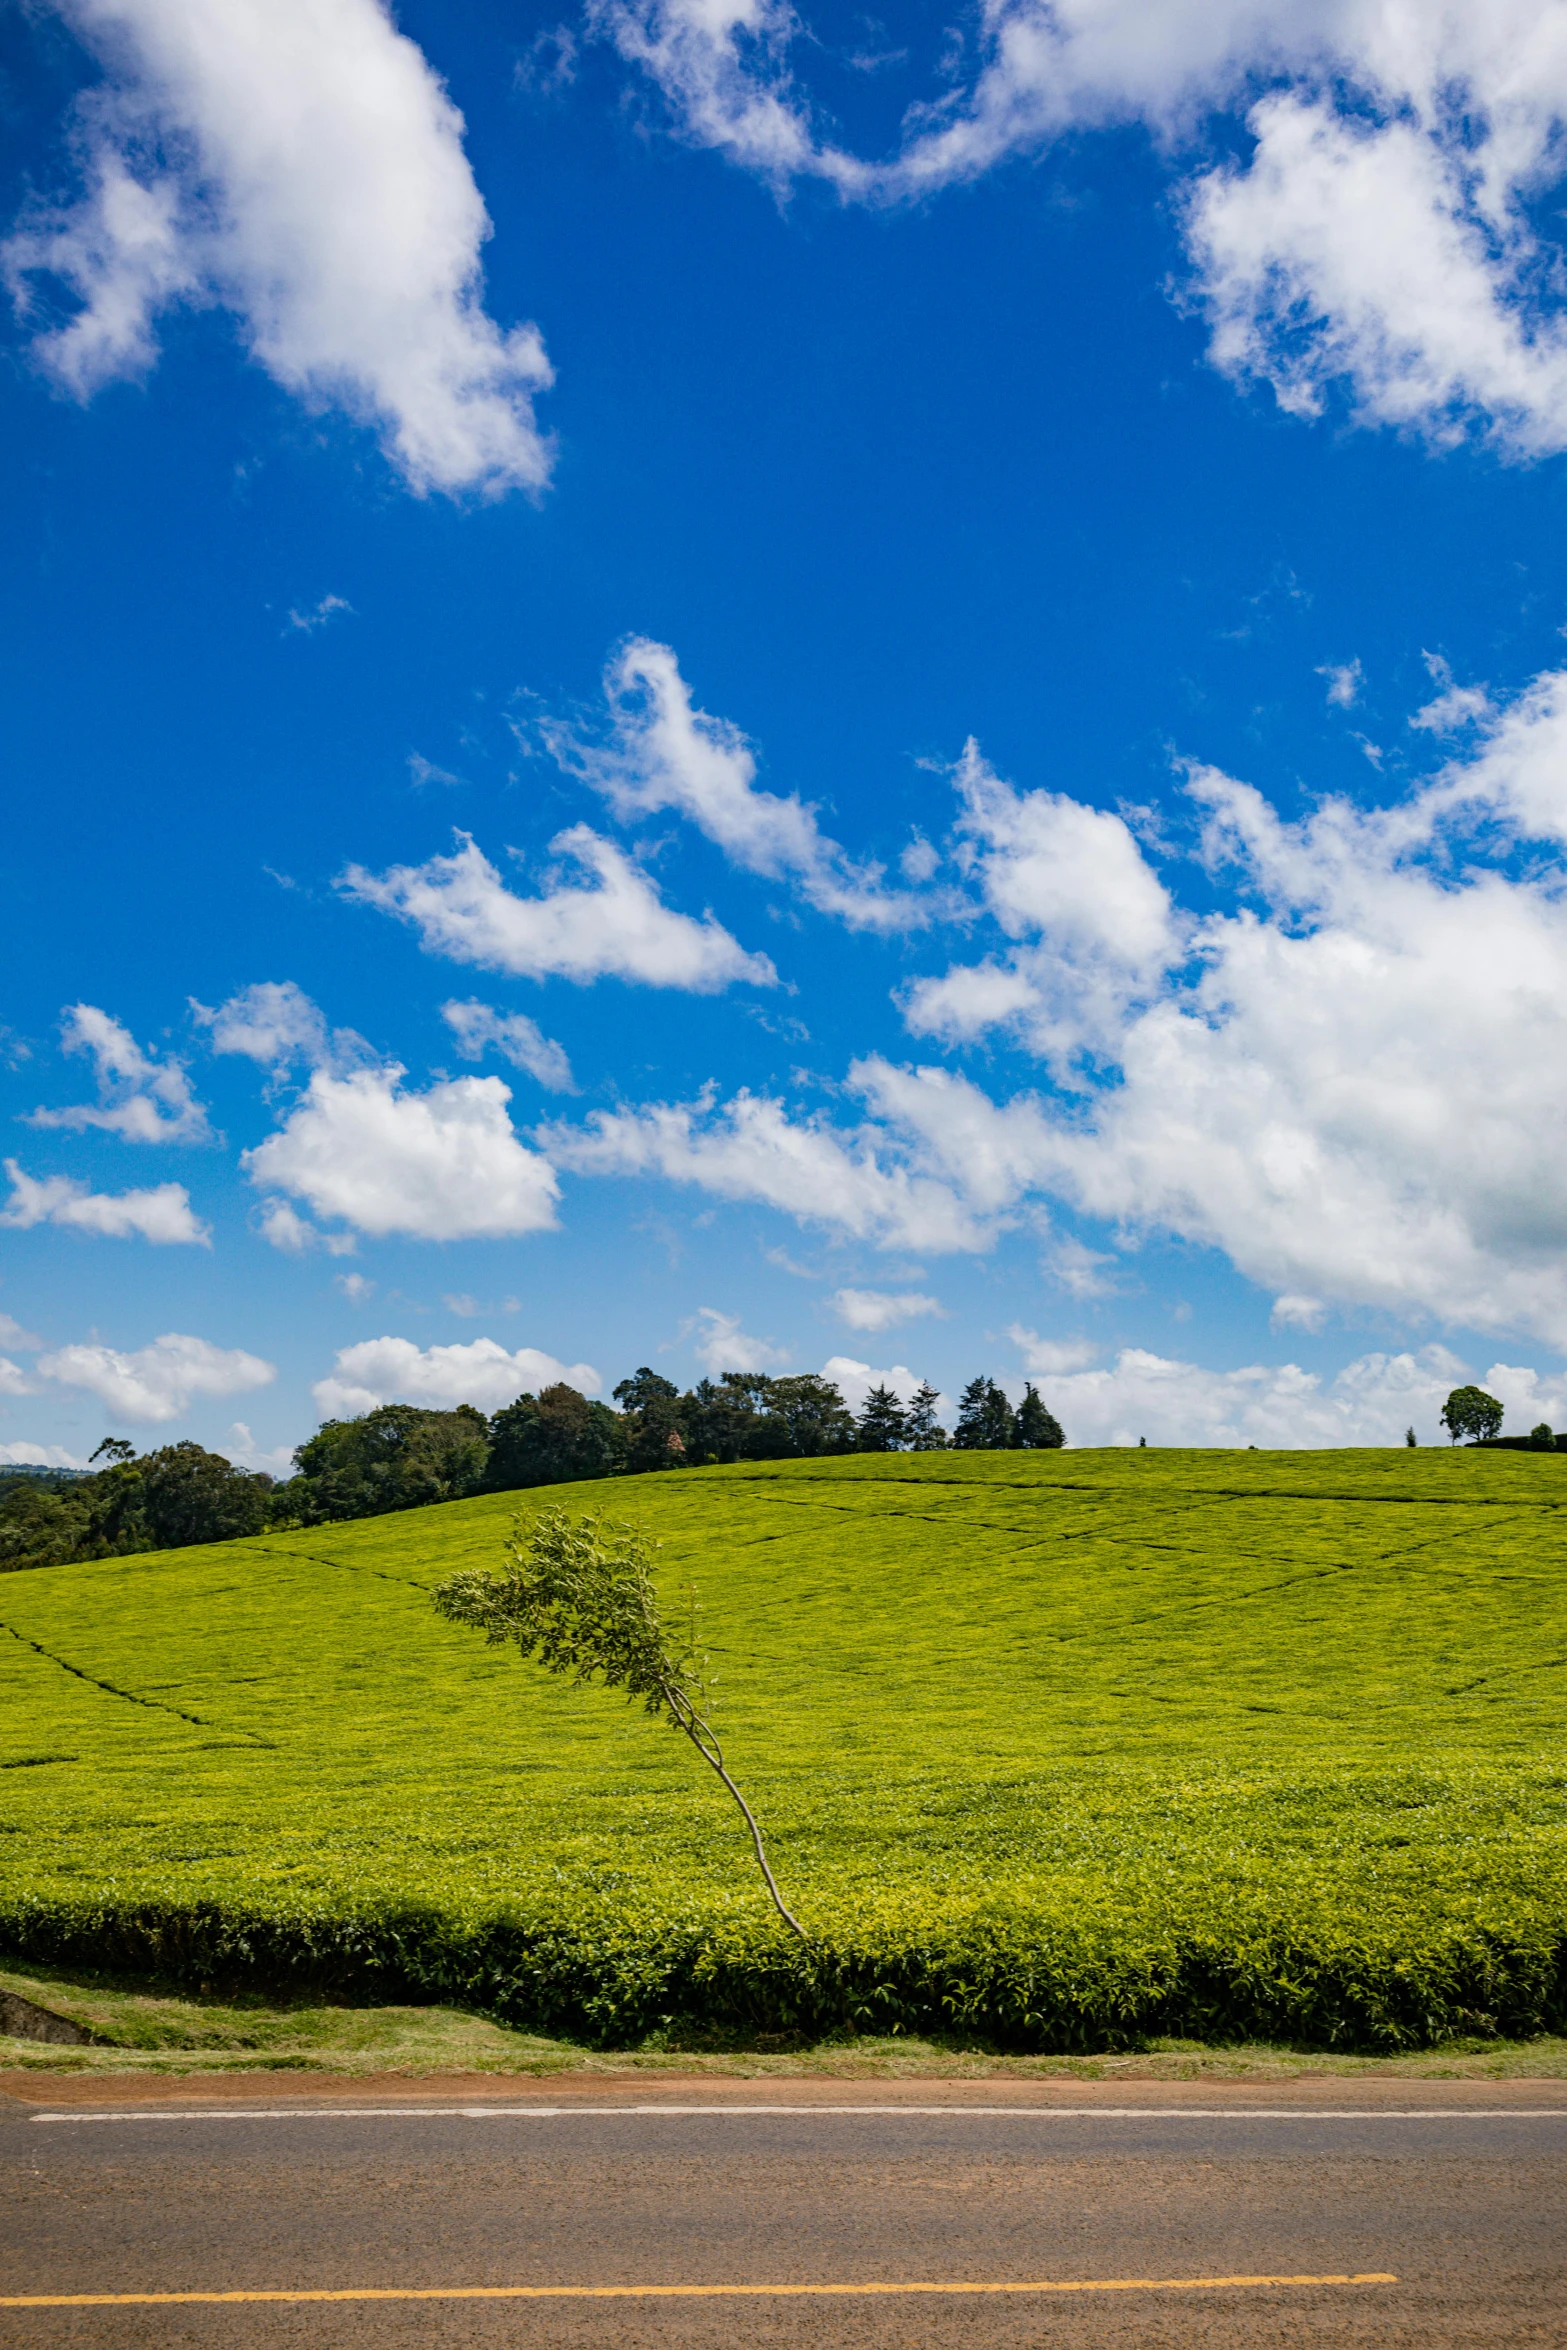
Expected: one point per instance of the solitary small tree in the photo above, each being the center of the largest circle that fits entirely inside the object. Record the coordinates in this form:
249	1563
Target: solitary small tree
1470	1412
580	1597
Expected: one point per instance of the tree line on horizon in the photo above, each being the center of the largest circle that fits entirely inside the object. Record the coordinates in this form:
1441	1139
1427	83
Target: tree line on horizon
404	1456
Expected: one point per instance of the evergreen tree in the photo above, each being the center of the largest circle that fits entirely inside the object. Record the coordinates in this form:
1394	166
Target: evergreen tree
985	1419
922	1431
1038	1429
881	1426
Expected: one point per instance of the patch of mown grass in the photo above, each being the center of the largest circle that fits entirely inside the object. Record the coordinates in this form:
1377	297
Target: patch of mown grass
1071	1750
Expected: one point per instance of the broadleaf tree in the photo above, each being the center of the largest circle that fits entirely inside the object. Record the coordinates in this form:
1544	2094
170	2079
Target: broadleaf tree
1470	1413
579	1595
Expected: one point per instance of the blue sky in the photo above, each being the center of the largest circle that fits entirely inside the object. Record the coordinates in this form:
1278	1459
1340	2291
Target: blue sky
691	687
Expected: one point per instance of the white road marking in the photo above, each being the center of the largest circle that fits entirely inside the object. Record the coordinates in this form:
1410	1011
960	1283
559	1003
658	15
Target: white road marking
522	2112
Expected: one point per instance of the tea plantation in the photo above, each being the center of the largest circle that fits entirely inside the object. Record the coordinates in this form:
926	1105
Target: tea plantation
1056	1749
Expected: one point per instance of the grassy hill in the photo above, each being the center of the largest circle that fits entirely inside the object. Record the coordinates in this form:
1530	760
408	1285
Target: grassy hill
1060	1748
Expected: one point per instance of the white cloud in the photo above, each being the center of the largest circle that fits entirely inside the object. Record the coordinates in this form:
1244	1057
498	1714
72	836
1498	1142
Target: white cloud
854	1381
483	1373
1345	679
444	1164
355	1287
241	1448
12	1334
881	1309
1353	1082
1050	1356
721	1345
295	1235
1385	231
40	1456
13	1379
517	1038
161	1214
297	162
1428	320
306	623
1371	1401
1093	922
274	1023
663	753
140	1098
160	1381
751	1149
618	926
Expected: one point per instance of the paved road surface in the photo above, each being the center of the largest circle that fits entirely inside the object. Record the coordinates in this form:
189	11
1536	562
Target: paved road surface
1456	2192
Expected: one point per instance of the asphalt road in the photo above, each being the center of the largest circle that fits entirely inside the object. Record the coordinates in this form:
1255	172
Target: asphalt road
1408	2217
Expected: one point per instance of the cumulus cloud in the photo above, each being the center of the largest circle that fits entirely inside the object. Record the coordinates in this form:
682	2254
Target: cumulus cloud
881	1309
273	1023
161	1214
444	1164
1371	1401
160	1381
1093	923
618	926
855	1380
720	1344
1383	232
661	752
140	1098
13	1379
478	1028
296	1236
750	1148
483	1373
13	1334
298	163
40	1456
1299	1079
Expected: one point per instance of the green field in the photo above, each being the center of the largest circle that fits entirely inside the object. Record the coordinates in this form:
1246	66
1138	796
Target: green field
1060	1750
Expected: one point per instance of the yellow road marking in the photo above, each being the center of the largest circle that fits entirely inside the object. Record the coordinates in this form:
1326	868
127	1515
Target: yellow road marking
684	2292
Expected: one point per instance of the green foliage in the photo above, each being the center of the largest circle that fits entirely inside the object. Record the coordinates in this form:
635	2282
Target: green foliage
554	1438
650	1406
394	1458
164	1501
578	1595
1470	1412
169	1499
882	1425
1071	1748
922	1431
41	1524
1037	1428
985	1421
